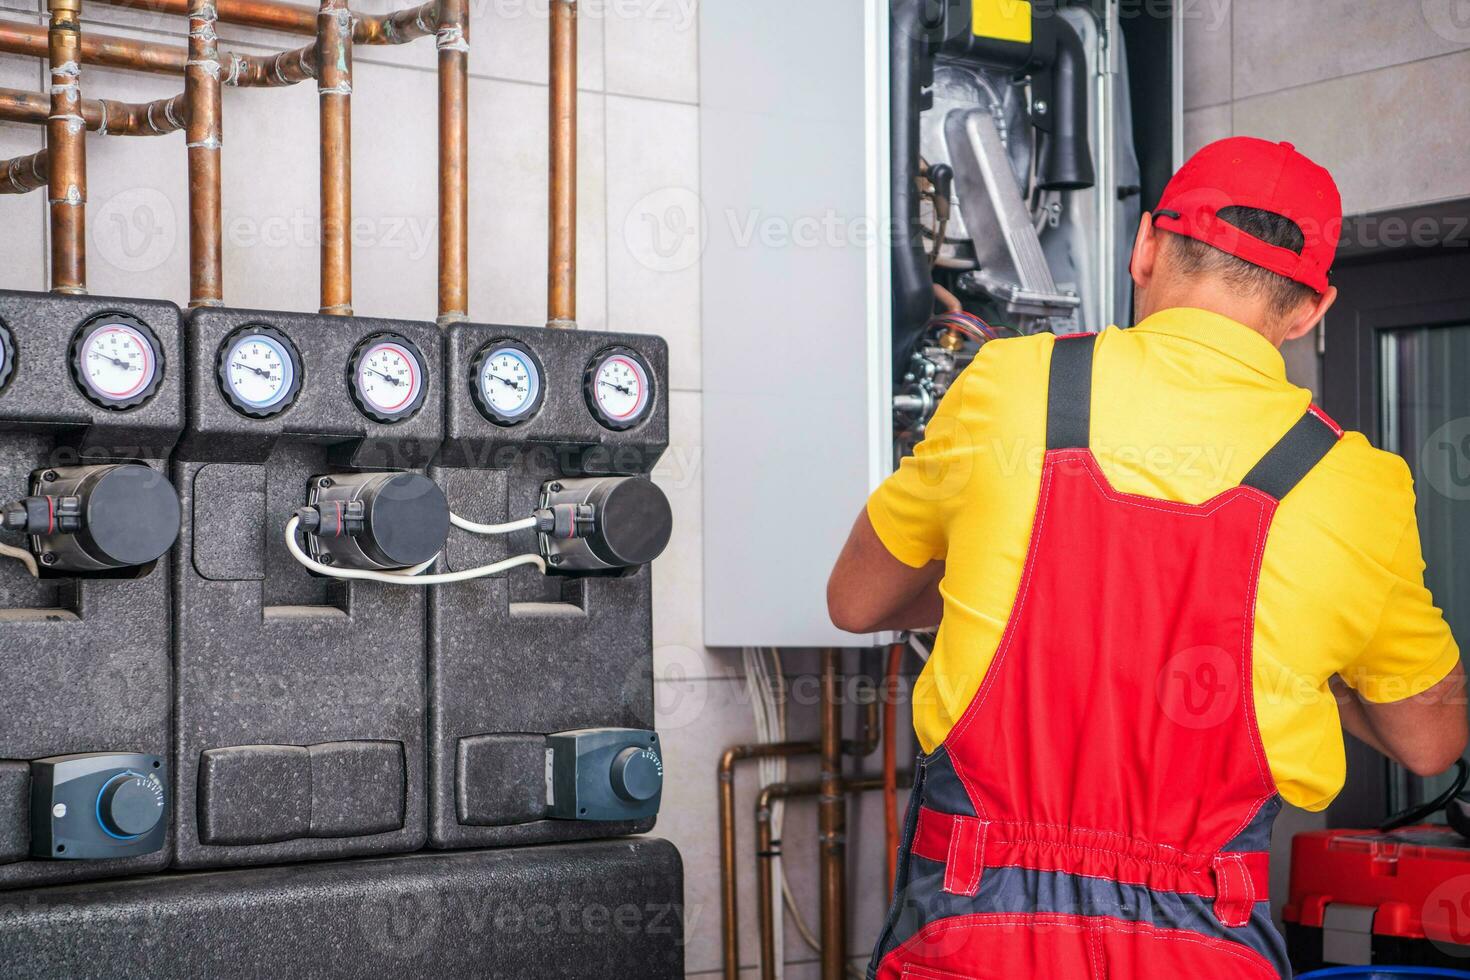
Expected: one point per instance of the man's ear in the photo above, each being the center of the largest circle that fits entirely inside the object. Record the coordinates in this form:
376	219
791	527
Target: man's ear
1145	252
1306	321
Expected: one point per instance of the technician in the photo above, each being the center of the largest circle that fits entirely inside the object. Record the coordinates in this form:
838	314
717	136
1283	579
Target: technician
1167	583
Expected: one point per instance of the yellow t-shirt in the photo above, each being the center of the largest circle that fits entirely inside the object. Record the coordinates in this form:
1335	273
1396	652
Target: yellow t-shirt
1183	405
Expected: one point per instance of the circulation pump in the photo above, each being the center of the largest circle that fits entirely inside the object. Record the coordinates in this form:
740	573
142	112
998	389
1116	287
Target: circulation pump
375	521
96	519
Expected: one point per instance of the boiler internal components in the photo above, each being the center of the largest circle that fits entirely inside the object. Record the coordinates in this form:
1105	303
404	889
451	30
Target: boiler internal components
7	356
96	519
386	376
600	524
375	521
98	805
618	386
259	371
116	360
603	774
506	382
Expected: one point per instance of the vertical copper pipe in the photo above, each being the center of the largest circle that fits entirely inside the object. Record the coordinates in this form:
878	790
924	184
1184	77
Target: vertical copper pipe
890	763
202	137
67	150
561	287
334	88
729	893
832	823
454	162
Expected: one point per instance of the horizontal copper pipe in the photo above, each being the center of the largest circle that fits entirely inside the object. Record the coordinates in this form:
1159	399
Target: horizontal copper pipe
98	49
292	18
240	70
107	117
24	174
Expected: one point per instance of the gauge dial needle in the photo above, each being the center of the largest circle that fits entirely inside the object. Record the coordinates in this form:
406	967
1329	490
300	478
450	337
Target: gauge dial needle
252	367
387	377
118	361
507	382
626	391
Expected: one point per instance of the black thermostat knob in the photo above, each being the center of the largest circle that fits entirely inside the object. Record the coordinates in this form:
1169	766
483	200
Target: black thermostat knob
636	775
128	806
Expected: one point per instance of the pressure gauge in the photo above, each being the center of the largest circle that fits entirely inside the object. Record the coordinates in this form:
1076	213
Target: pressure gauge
386	376
7	356
619	387
116	361
259	371
506	382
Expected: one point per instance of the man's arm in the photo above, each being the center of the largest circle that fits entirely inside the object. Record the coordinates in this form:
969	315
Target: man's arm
1426	732
870	590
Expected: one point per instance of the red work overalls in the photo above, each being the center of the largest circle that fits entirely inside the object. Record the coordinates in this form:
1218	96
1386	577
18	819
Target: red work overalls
1103	807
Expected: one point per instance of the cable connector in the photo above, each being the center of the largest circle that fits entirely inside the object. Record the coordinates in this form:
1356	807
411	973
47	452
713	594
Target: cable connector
335	521
44	515
567	520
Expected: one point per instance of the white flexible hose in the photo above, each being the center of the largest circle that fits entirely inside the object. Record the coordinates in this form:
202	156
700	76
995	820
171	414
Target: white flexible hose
23	556
409	576
468	525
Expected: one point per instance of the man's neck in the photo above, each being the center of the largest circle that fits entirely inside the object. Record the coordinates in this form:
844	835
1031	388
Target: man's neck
1250	311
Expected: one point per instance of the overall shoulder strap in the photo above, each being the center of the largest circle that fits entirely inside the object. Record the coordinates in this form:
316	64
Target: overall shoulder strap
1293	457
1069	393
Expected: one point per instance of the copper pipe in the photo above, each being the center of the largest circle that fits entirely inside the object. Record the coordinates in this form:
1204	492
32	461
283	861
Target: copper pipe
202	135
292	18
890	763
729	893
767	849
24	174
334	88
97	49
67	150
454	161
832	823
271	70
561	287
243	70
106	117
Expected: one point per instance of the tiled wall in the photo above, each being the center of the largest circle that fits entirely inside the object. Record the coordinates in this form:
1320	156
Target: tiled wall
639	150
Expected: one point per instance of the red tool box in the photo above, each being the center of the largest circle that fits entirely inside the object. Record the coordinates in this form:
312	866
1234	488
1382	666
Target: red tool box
1364	897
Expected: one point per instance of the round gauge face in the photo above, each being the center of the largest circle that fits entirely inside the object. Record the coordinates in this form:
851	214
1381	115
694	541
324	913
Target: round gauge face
507	382
387	377
619	387
116	361
7	356
259	371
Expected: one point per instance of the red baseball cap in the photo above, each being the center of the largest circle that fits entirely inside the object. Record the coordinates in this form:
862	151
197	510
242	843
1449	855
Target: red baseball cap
1254	173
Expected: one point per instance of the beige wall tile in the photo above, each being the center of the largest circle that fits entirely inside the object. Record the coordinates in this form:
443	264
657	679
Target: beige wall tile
22	216
1279	45
1207	64
652	48
1373	132
1204	126
655	227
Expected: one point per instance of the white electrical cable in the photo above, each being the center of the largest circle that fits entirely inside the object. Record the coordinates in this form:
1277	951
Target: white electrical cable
409	576
469	525
23	556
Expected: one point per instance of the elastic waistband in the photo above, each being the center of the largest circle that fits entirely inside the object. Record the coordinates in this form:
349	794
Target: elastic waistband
966	846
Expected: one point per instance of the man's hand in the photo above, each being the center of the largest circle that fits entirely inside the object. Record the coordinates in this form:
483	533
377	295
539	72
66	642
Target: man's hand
1426	733
870	590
